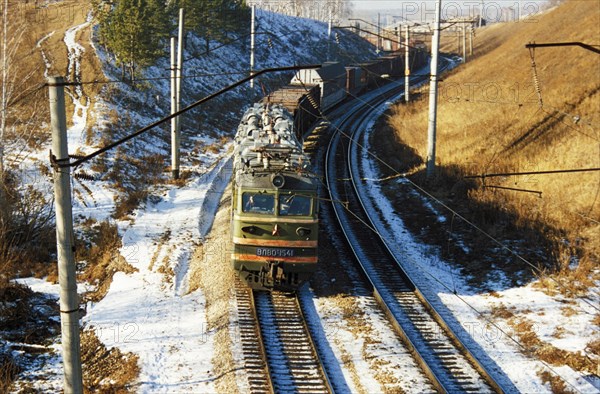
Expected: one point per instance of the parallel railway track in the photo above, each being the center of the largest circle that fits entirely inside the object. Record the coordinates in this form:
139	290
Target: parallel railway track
278	351
447	362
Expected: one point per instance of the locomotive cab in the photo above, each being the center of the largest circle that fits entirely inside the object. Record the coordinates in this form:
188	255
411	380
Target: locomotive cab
275	231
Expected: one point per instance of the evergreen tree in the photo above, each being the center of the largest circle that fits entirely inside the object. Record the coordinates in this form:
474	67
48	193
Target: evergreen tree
215	19
135	31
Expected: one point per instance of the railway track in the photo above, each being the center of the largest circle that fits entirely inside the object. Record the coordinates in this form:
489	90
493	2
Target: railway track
279	354
447	362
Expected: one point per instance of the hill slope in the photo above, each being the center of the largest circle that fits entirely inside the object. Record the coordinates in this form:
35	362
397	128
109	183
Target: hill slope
545	235
490	120
135	229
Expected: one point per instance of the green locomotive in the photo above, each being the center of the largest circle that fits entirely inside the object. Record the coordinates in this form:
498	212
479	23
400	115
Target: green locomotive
274	223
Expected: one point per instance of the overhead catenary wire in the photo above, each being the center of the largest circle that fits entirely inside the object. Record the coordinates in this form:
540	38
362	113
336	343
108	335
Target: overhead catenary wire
140	131
506	174
165	119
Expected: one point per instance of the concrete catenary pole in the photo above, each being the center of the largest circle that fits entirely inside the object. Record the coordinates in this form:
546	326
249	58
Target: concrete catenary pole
471	39
174	134
433	84
407	66
464	42
252	33
378	31
178	71
329	26
69	301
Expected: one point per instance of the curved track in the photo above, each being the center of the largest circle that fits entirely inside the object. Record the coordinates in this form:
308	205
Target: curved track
444	359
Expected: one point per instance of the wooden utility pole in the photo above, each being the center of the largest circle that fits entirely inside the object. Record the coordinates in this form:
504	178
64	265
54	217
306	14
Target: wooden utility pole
433	84
407	66
252	33
69	301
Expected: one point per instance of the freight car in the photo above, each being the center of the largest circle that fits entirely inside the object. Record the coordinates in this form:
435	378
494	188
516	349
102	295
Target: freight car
303	102
338	82
274	224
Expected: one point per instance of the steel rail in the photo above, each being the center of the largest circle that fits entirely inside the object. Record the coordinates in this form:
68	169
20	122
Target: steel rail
253	349
380	301
314	347
294	363
354	175
463	350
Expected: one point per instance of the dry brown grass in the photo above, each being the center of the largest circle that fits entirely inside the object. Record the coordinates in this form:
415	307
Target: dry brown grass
525	330
557	385
27	237
102	258
30	102
502	311
489	121
28	114
8	372
106	371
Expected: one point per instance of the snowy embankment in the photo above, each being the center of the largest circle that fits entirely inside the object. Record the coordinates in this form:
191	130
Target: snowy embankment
150	312
469	310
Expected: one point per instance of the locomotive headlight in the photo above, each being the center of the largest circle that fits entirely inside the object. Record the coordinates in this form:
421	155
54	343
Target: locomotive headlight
303	232
278	180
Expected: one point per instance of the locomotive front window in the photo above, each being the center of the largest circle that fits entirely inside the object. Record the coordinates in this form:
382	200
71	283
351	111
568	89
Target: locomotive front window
261	203
294	205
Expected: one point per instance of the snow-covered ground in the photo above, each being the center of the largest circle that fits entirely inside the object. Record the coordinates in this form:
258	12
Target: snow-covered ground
150	312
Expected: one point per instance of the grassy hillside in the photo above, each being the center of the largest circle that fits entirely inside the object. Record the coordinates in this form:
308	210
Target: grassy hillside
490	120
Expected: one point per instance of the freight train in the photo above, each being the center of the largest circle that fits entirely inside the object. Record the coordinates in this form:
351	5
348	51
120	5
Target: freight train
274	223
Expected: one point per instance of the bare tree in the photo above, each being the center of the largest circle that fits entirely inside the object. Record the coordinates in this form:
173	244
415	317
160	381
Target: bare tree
3	110
20	111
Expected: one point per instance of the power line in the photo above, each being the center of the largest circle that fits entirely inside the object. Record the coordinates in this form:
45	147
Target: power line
453	291
483	176
464	219
68	163
191	76
565	44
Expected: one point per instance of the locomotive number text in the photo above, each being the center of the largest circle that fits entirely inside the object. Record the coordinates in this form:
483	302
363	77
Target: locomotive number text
269	252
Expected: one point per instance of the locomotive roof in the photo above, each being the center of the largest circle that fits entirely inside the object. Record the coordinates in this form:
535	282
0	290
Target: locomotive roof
266	141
